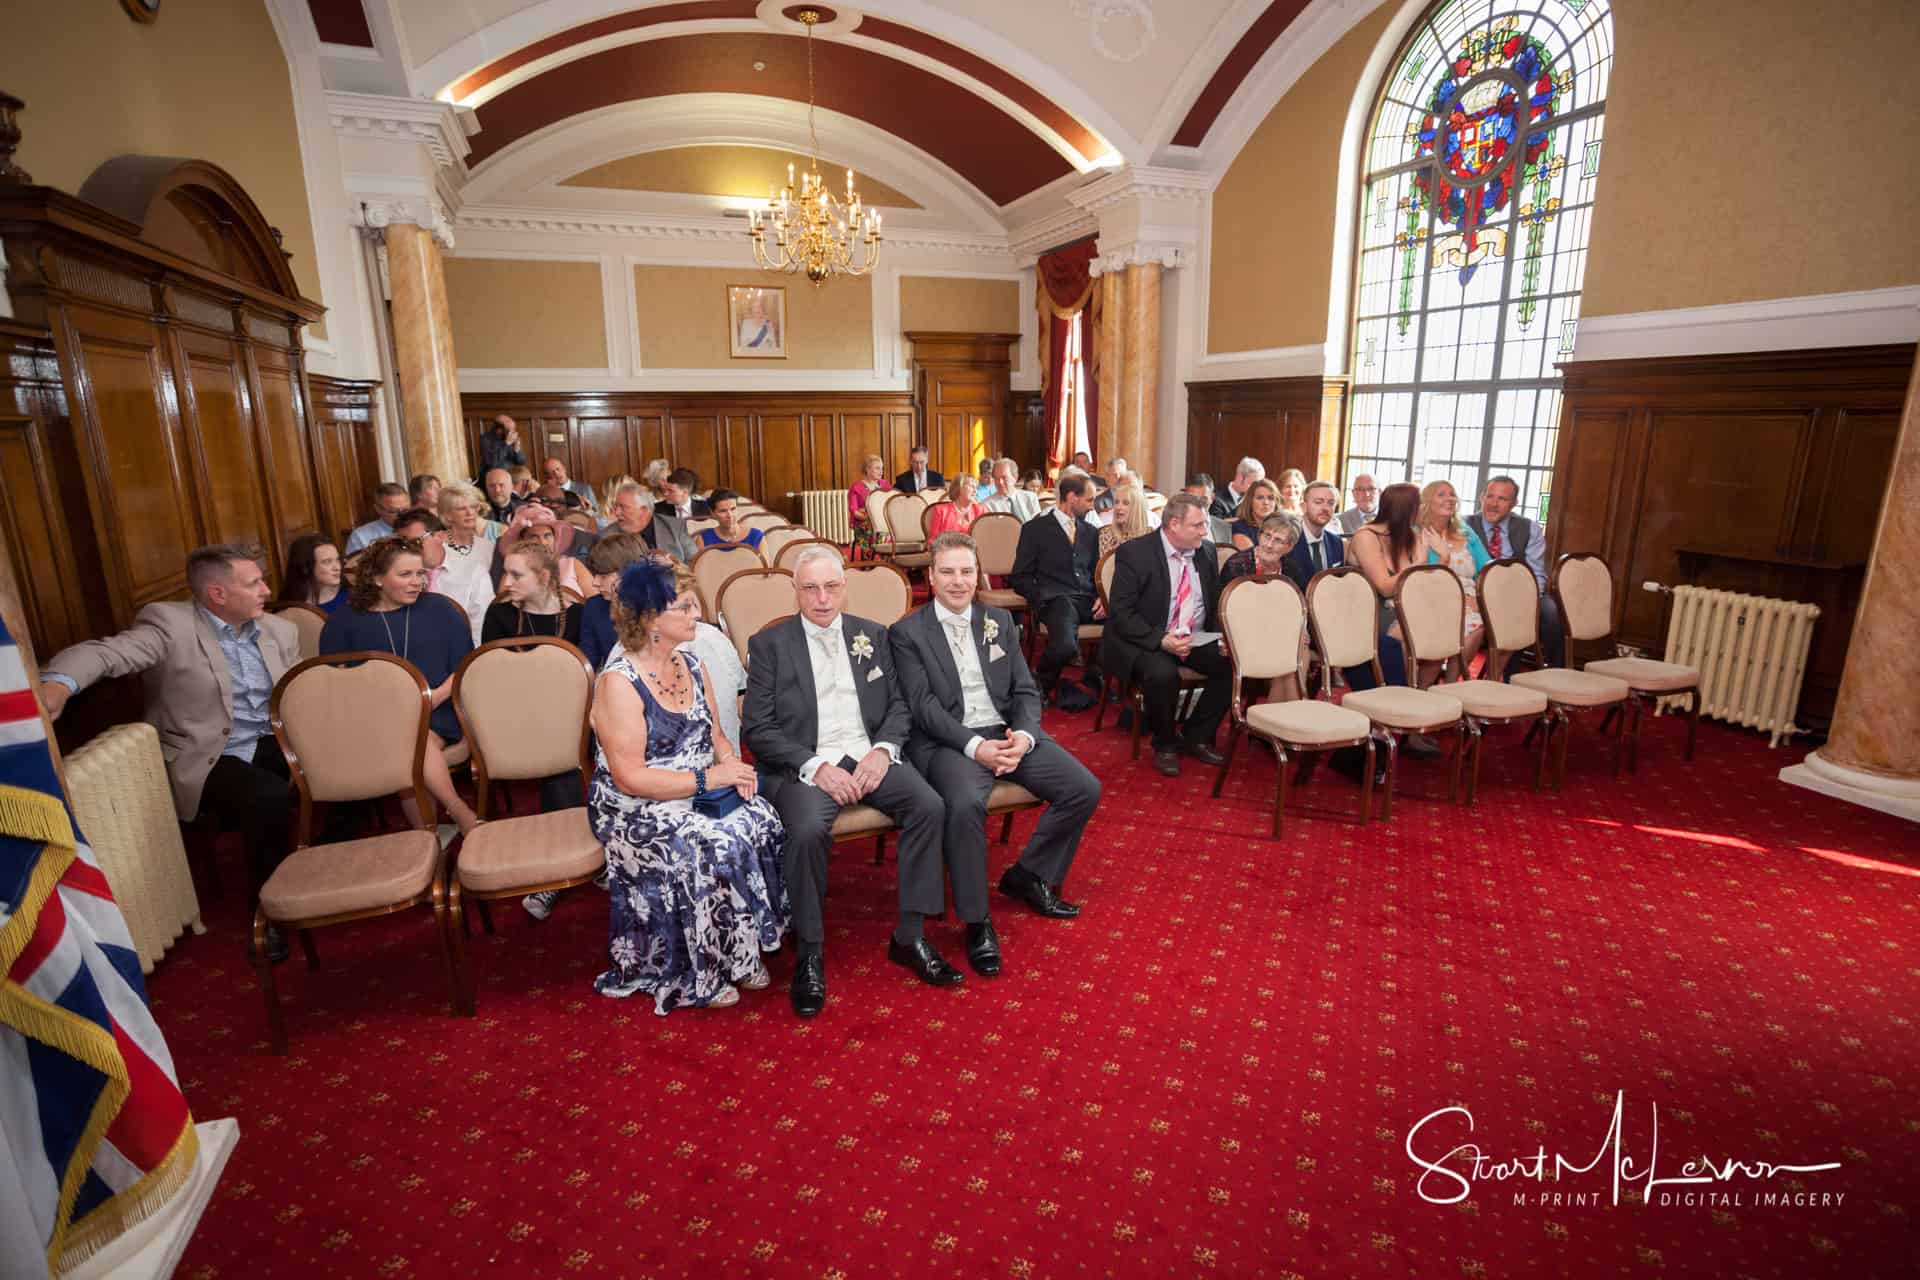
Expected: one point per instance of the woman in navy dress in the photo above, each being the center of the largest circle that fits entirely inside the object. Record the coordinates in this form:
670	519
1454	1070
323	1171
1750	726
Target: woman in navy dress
314	574
393	612
729	532
693	852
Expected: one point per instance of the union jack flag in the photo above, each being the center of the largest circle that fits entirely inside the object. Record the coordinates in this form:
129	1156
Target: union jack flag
97	1132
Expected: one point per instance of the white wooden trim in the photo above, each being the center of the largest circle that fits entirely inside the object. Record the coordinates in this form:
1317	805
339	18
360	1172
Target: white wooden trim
1272	362
1864	318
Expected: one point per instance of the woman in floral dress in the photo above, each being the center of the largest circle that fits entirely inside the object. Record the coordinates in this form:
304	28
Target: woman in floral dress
693	853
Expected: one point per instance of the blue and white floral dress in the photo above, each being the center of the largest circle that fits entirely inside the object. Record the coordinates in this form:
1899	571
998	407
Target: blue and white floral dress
695	899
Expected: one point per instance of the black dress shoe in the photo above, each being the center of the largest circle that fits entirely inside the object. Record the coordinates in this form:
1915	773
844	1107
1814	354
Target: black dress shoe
809	986
1073	698
1204	753
925	963
1167	762
1037	894
276	945
983	949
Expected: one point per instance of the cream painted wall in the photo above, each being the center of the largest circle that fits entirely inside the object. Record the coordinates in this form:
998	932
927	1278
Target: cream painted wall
519	314
959	305
1755	149
208	81
683	320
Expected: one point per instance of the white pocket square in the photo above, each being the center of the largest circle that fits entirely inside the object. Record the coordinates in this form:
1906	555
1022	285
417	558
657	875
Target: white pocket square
995	653
873	675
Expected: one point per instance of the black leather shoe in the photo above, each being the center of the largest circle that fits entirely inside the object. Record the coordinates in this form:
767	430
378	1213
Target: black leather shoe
1037	894
1167	762
1073	698
1204	753
983	949
809	986
276	945
925	963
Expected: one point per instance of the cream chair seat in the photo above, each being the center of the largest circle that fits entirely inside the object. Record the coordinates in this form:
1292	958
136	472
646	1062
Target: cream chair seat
352	876
859	820
1573	688
1307	722
1649	674
1583	585
502	856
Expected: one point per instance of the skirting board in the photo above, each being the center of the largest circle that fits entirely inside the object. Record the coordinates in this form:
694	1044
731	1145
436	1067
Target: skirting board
153	1248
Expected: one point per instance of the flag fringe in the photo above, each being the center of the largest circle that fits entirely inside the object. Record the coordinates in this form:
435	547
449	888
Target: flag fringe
135	1205
35	815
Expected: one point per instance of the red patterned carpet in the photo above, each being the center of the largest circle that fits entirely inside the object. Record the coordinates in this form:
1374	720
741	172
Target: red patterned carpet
1214	1071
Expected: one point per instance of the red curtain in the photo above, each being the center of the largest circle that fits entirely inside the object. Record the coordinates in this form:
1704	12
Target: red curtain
1066	298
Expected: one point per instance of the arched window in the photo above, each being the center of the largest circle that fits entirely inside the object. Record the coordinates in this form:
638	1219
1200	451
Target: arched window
1477	199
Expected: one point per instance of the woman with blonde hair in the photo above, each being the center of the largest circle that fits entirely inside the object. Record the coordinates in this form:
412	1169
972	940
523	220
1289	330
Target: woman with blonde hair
1129	515
1292	488
655	477
959	511
1448	540
466	575
873	478
693	851
531	602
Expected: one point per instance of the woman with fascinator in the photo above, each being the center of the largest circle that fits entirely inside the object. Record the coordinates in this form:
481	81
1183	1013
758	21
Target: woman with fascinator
693	851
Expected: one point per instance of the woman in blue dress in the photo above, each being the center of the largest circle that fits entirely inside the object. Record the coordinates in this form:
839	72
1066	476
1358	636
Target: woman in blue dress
724	504
693	852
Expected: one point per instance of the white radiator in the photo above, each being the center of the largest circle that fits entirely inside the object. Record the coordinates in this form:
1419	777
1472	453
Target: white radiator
824	511
117	785
1751	652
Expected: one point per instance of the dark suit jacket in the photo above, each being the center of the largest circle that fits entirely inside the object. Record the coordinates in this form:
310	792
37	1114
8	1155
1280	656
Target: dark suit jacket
1300	560
1224	507
1044	566
904	481
781	724
1142	594
701	509
932	680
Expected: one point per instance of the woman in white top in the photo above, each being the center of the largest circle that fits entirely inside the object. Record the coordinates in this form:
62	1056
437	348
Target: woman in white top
466	577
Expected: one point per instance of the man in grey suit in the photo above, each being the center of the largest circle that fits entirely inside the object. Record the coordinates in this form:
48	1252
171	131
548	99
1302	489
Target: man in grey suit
1507	536
210	664
1366	504
633	512
976	719
826	721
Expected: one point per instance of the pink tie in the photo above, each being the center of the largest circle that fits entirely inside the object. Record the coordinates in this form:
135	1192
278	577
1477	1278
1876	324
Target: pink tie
1497	548
1183	596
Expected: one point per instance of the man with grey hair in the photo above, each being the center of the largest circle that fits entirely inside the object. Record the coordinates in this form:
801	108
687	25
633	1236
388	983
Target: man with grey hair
389	500
210	665
1366	504
1008	495
827	721
1226	504
633	512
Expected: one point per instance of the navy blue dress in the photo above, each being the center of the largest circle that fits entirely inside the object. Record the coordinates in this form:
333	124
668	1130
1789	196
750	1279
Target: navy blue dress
430	633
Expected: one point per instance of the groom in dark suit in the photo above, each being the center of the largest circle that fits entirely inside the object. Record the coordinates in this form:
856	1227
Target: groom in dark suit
826	721
1166	587
976	718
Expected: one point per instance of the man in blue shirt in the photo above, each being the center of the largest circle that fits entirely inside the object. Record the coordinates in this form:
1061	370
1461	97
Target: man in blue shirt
389	500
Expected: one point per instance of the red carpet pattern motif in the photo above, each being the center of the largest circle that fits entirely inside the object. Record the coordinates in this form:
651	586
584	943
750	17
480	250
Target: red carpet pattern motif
1214	1071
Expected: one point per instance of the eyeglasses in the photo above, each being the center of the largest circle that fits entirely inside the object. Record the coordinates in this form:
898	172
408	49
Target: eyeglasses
820	588
688	605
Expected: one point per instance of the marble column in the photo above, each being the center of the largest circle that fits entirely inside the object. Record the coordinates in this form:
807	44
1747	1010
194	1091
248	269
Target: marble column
1872	754
1112	360
1139	434
431	426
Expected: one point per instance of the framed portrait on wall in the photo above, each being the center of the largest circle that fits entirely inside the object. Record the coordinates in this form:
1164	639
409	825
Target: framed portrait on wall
757	322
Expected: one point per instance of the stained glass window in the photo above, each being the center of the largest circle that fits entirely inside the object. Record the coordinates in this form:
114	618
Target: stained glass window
1478	196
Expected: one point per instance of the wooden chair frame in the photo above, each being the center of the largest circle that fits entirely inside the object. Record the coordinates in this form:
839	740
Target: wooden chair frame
1637	698
1238	722
457	893
434	895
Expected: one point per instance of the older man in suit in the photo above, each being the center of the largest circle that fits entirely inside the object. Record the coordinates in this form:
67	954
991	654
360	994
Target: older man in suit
1008	495
918	477
827	724
211	664
1508	536
1165	590
976	718
633	512
1366	505
1053	569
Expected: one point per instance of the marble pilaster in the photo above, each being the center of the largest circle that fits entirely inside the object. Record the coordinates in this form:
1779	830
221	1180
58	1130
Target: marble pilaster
432	430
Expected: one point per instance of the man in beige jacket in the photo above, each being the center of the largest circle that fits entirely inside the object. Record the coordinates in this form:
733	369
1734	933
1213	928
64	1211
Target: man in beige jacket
210	665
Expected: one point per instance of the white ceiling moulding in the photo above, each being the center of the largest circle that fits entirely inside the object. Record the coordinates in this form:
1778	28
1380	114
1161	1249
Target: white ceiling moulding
1869	317
442	129
534	166
722	230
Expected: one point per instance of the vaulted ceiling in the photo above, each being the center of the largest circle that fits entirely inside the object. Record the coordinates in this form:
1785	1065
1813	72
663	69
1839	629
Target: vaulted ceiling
978	104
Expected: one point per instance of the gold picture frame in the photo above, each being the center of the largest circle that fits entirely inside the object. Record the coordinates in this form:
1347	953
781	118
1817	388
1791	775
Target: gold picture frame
756	322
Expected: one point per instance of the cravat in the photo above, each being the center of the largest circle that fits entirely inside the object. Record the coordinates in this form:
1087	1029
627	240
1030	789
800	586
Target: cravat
1182	596
829	642
957	633
1497	547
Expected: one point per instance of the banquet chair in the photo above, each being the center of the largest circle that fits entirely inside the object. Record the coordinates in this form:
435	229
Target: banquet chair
878	592
1264	621
750	600
1110	683
524	704
877	520
1510	604
907	546
996	537
1344	610
307	620
790	551
772	540
765	520
353	726
1582	585
1432	608
713	566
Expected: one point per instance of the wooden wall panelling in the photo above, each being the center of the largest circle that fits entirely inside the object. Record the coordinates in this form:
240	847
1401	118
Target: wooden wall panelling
600	450
1284	422
739	468
1759	472
283	418
217	411
1026	438
961	389
40	476
346	453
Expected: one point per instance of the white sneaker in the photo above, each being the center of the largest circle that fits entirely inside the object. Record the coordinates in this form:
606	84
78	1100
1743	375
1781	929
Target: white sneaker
540	905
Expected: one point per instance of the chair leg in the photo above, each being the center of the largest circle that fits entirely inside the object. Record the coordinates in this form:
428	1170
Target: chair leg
1560	761
1633	734
1279	791
880	849
448	907
1617	717
486	916
1220	777
1393	767
1139	705
1473	775
263	969
1693	718
1006	829
1366	786
1453	761
1100	712
306	945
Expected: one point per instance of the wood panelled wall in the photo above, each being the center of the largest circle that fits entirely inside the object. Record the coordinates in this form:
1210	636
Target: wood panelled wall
346	448
961	390
40	477
1760	472
764	444
1284	422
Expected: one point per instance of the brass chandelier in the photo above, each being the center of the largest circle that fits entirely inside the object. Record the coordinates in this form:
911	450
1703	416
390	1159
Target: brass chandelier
814	231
